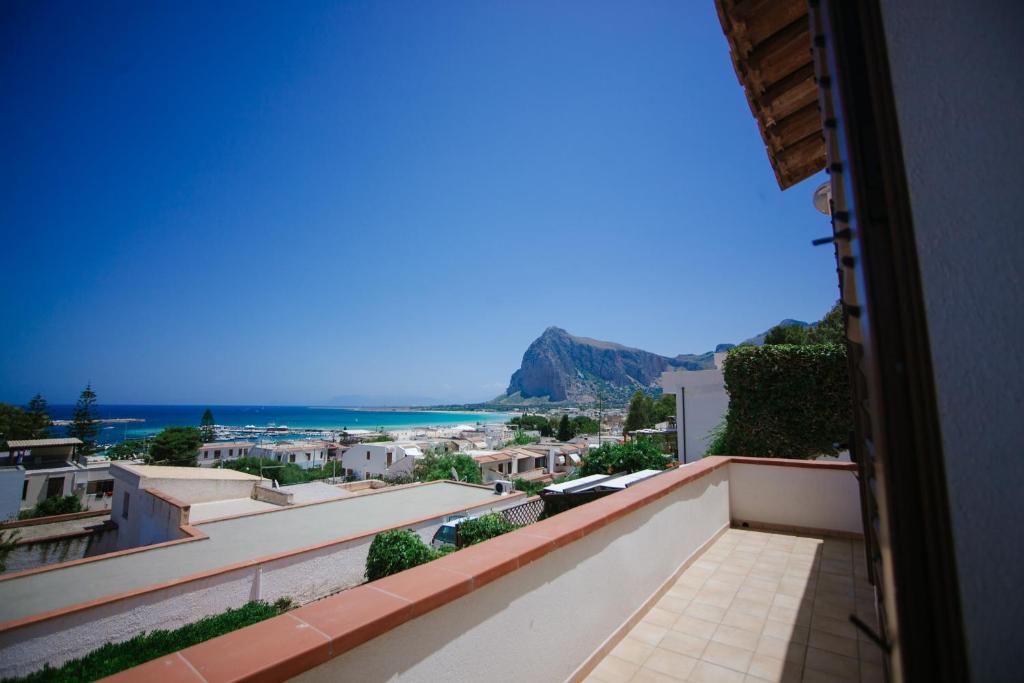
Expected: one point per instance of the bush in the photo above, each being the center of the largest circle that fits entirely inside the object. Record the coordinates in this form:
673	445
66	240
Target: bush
395	551
786	401
436	466
474	531
631	456
530	488
115	657
57	505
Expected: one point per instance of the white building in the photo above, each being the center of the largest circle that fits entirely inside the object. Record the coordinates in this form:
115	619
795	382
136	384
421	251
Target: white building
701	402
216	453
305	454
386	458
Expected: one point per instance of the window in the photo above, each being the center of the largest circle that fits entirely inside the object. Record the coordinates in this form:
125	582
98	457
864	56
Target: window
206	455
55	487
24	489
216	453
309	457
367	455
124	505
389	459
291	457
231	453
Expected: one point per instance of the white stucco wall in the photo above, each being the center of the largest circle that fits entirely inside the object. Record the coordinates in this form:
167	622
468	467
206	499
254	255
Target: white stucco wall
960	95
355	459
302	577
699	409
11	482
795	496
595	583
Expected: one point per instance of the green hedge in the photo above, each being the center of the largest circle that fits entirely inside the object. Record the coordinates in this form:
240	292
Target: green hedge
632	456
786	401
395	551
115	657
477	530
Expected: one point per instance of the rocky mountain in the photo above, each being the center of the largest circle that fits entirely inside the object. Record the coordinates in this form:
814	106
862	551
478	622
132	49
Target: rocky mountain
559	366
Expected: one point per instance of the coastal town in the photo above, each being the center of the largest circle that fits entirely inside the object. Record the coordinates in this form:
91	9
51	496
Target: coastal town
512	342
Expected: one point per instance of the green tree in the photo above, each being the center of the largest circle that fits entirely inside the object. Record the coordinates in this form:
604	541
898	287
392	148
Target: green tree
38	417
206	426
663	409
14	424
395	551
436	466
126	450
85	422
830	329
581	424
641	412
176	446
786	334
564	429
632	456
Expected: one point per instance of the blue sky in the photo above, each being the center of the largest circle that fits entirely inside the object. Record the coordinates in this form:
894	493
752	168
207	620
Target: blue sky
285	203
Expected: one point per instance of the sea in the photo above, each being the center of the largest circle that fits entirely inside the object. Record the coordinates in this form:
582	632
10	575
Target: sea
157	417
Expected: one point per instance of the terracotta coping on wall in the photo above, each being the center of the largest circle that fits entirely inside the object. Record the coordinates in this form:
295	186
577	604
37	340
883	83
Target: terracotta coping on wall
53	519
286	645
194	535
311	635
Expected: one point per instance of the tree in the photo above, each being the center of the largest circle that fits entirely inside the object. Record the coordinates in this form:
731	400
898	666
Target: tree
786	334
436	466
830	329
564	429
126	450
14	424
85	423
176	446
664	409
631	456
641	412
206	426
581	424
38	419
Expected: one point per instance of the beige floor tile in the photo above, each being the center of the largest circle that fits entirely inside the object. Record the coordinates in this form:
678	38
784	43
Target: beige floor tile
702	610
690	581
747	622
729	656
672	604
746	606
632	650
786	631
681	592
871	673
832	643
760	596
660	617
836	627
614	670
683	643
779	648
845	668
772	669
648	633
645	675
731	635
760	584
670	663
790	615
706	672
695	626
791	601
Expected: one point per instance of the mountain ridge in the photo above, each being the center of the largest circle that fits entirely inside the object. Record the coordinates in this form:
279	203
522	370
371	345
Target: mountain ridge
562	367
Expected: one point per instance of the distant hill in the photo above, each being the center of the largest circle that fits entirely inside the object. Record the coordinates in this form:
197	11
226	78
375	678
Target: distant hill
561	367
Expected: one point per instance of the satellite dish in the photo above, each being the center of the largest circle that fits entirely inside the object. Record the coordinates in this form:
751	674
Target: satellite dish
822	198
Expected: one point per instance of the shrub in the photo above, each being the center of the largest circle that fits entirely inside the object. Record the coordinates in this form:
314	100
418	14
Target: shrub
57	505
786	400
530	488
474	531
631	456
8	540
436	466
115	657
395	551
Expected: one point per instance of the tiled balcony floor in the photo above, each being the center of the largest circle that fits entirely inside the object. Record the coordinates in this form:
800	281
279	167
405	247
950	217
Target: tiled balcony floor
756	607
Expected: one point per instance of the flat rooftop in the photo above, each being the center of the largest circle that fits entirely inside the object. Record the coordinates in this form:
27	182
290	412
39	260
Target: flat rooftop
232	541
165	472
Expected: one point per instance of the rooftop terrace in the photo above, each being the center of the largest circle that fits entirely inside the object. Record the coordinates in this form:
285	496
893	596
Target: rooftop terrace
610	590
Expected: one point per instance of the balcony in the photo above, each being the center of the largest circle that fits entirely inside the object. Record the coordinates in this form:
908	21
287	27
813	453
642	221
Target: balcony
732	569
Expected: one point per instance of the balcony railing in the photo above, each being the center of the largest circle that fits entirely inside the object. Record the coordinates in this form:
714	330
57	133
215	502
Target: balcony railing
547	602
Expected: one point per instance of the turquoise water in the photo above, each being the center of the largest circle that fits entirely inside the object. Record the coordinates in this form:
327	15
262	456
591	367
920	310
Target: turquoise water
157	417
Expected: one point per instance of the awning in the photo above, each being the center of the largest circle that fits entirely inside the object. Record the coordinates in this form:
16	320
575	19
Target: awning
770	44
